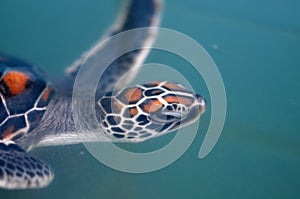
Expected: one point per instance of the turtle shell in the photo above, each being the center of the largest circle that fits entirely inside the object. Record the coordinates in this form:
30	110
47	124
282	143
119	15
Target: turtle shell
24	96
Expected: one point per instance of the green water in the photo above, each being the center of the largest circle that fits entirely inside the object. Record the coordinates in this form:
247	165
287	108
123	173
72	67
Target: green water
258	154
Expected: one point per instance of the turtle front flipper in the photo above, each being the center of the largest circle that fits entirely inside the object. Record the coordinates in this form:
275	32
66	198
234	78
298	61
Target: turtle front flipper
144	14
20	170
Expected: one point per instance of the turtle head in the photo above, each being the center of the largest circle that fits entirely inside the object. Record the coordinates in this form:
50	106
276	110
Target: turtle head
149	110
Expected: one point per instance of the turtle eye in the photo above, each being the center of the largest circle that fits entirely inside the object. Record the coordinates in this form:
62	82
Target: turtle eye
162	118
165	116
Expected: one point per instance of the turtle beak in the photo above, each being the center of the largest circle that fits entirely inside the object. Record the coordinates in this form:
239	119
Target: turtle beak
196	110
200	103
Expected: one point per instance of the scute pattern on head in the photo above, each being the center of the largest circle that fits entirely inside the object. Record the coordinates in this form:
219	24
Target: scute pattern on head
24	96
144	111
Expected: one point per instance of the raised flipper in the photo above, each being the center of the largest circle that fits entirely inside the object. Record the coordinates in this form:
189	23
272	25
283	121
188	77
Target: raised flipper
20	170
135	14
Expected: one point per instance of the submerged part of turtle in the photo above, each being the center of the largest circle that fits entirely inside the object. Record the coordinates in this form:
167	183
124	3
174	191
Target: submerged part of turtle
34	114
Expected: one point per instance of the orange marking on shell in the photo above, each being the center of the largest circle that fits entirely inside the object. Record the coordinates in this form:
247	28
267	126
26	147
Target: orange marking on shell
133	111
133	94
16	81
152	106
46	94
8	133
179	100
174	87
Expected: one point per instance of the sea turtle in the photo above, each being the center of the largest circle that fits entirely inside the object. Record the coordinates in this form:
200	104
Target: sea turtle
35	113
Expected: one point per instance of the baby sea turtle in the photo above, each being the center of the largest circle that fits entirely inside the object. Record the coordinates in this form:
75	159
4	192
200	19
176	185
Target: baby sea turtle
34	113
